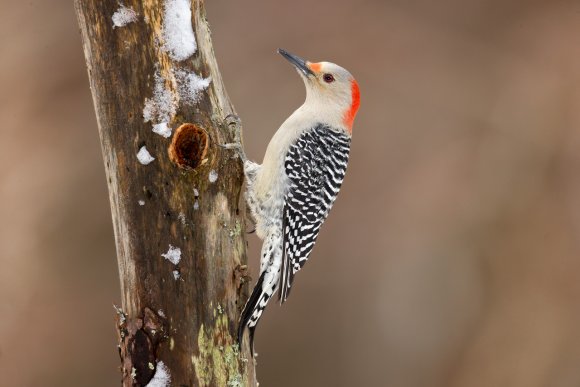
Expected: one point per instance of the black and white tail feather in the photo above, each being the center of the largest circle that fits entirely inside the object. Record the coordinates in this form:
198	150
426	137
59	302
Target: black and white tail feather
315	166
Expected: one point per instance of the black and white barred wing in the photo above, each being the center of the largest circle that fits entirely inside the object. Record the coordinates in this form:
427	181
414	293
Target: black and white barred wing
315	165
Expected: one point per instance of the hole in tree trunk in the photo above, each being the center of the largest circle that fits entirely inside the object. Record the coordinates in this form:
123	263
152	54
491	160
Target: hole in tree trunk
189	146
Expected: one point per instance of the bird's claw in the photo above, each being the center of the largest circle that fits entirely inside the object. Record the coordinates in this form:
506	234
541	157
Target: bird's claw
234	123
233	120
231	145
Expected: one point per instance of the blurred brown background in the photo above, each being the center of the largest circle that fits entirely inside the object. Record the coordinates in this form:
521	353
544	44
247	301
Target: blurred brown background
452	257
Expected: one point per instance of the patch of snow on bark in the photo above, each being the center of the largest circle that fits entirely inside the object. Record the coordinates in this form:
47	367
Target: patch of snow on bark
144	156
178	37
182	218
190	86
123	16
163	105
173	255
162	129
162	378
213	176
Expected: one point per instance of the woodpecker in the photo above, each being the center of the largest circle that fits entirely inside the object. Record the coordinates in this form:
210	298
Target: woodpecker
291	193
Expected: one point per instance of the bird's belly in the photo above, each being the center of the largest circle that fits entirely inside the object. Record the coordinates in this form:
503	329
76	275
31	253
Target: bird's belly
266	199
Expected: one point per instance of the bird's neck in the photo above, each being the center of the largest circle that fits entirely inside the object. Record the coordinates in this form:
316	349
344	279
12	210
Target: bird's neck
327	112
350	113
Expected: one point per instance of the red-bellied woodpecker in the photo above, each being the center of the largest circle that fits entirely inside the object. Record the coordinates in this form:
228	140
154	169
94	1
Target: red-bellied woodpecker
290	194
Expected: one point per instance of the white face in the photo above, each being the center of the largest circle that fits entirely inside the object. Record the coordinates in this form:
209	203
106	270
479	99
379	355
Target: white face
328	83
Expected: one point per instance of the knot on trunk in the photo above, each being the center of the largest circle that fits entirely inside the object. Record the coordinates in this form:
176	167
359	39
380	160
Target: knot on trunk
139	339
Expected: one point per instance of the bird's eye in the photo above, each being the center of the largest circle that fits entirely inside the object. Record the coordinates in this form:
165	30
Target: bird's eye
328	78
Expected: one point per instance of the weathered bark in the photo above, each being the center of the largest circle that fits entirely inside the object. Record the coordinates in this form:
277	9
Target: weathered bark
188	323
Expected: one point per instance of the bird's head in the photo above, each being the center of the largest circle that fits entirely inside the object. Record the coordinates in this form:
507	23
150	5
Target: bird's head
330	88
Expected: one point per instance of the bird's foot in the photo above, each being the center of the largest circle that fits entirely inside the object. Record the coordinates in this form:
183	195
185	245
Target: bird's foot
231	145
238	148
233	121
234	124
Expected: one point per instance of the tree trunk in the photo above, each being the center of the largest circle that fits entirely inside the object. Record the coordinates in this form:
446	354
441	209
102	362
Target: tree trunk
179	311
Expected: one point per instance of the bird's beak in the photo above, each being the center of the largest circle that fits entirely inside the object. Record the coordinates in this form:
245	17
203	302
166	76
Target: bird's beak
296	61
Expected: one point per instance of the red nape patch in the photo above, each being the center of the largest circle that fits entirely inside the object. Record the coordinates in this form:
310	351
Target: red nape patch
351	112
